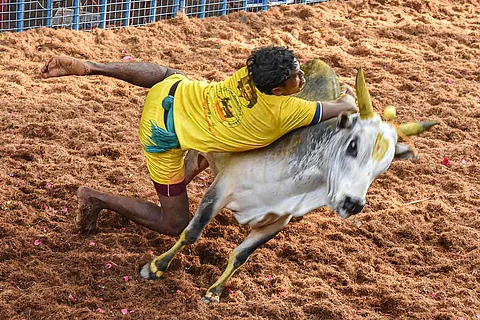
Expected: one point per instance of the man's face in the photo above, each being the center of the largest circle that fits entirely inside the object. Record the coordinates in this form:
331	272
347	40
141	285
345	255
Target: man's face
295	82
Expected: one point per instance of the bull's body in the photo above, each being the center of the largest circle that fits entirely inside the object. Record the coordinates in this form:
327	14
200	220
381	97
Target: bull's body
329	164
285	178
289	177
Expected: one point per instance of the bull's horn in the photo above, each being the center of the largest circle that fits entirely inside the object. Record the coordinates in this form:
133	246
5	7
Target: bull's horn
363	97
414	128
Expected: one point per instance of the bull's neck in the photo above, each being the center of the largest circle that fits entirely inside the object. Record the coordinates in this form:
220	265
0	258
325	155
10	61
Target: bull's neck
312	151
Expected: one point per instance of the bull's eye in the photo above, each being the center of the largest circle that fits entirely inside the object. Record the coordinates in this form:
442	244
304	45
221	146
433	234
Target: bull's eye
352	148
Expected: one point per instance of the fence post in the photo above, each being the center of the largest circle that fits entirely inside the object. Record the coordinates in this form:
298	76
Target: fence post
20	13
202	9
48	19
126	20
224	7
265	5
153	10
76	14
181	6
103	14
175	8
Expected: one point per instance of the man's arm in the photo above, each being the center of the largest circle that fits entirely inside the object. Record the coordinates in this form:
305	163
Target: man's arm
345	103
141	74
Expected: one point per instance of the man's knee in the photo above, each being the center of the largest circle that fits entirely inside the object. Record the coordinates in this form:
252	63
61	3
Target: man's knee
175	212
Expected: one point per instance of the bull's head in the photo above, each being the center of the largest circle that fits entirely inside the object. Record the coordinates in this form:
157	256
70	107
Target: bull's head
365	146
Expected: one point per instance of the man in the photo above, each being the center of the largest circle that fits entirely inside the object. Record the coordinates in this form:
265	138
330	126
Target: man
248	110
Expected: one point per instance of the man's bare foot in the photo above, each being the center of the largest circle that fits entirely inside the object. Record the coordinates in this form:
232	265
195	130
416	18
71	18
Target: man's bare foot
88	209
65	66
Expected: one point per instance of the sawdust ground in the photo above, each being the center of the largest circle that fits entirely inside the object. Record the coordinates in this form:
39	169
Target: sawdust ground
395	260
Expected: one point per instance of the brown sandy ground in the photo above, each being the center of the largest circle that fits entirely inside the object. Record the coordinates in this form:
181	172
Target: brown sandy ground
393	261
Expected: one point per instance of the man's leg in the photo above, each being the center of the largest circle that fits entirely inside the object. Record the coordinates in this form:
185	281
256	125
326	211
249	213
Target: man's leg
141	74
194	164
169	218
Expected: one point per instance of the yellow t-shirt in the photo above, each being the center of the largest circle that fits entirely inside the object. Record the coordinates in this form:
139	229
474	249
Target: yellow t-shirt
233	115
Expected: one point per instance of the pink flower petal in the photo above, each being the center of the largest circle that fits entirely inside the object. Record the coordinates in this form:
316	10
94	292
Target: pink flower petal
478	316
92	243
125	278
446	162
179	291
108	265
128	58
99	310
449	81
45	207
463	161
229	291
124	311
269	277
434	295
122	230
36	242
71	298
65	210
124	51
48	185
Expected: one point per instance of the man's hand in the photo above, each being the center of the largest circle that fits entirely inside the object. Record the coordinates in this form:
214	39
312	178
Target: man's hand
64	66
347	102
348	90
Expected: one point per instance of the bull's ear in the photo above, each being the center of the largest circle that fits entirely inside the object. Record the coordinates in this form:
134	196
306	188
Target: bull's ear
404	151
345	121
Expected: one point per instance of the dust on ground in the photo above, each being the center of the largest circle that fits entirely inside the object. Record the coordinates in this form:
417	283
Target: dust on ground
412	254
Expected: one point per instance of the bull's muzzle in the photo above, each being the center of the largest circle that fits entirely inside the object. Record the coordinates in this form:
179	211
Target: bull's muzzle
352	205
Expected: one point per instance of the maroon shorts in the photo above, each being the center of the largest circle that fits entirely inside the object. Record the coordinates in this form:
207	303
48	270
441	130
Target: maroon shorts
170	190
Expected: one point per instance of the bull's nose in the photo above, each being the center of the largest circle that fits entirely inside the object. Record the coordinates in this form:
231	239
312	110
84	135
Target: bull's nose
353	205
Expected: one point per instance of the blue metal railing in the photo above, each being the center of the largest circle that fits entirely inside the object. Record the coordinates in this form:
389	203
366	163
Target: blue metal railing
21	15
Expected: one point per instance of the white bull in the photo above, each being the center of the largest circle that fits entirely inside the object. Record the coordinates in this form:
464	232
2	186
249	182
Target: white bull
329	164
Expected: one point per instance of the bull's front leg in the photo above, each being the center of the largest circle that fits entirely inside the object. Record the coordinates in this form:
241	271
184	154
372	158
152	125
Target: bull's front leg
207	210
240	254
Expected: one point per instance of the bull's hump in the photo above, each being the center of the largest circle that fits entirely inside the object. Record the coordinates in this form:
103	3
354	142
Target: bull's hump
321	82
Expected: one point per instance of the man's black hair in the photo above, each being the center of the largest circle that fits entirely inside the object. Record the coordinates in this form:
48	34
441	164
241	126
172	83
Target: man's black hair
270	67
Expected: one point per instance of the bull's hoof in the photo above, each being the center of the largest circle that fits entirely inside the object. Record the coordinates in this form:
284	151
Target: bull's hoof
147	273
211	297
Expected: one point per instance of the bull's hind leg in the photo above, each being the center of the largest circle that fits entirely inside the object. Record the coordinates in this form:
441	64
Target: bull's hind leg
208	208
240	254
